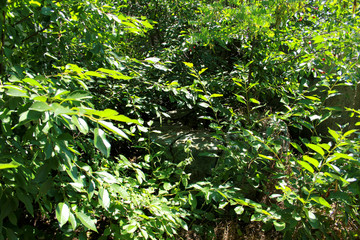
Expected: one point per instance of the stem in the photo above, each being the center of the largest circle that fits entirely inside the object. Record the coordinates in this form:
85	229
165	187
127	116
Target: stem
2	34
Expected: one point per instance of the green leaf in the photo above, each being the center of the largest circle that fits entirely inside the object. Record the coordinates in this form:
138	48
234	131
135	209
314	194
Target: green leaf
190	65
266	157
253	100
279	226
239	210
59	110
203	70
350	132
216	95
313	98
335	176
12	164
78	95
104	198
152	59
72	221
101	143
140	176
62	213
112	128
15	91
86	220
46	11
322	201
144	233
297	147
107	177
26	200
204	105
316	148
314	222
306	166
33	82
334	134
130	228
40	107
311	160
35	3
80	124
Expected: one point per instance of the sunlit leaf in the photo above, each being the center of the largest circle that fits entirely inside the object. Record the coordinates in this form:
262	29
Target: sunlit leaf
190	65
316	148
311	160
279	226
62	213
101	142
114	129
9	165
86	220
104	198
306	166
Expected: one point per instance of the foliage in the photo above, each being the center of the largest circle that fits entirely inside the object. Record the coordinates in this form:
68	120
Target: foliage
84	85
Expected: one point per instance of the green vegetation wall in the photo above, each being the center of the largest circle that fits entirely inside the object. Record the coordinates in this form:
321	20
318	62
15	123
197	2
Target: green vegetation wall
86	85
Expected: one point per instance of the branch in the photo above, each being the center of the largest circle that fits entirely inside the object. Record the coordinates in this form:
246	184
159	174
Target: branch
2	34
21	20
36	33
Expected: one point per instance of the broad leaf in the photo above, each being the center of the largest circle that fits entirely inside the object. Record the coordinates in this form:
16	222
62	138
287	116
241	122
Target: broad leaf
104	198
9	165
114	129
101	143
86	220
62	213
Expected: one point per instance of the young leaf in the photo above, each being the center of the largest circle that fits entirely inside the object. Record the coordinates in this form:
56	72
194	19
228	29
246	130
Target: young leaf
190	65
216	95
306	166
311	160
316	148
62	213
9	165
322	201
86	220
253	100
334	134
101	143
